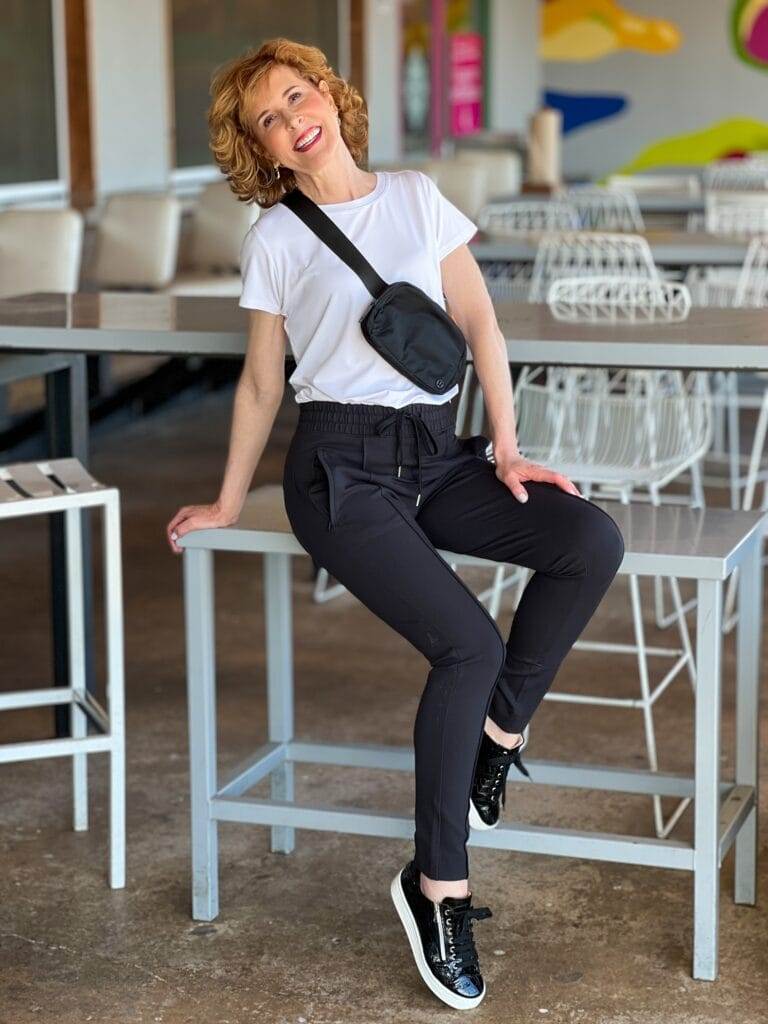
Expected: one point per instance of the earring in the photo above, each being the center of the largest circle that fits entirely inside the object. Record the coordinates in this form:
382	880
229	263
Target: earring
277	168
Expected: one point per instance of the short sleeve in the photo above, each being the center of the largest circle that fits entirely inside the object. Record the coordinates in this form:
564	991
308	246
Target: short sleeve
453	228
260	281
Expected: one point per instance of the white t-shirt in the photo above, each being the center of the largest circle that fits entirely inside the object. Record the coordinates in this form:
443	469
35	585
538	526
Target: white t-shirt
404	227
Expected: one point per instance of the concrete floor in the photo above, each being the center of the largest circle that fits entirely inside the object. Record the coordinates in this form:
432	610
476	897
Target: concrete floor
312	938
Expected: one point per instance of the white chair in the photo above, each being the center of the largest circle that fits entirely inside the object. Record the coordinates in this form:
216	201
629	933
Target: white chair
40	251
661	300
641	438
45	488
684	184
618	299
736	213
589	254
727	289
605	209
464	183
137	241
503	169
750	288
525	215
749	173
505	281
219	224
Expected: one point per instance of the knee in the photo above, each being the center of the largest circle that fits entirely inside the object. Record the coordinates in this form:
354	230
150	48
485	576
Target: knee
488	649
482	647
601	544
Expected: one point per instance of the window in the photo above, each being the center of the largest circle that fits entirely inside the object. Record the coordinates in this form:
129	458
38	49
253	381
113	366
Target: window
28	145
207	33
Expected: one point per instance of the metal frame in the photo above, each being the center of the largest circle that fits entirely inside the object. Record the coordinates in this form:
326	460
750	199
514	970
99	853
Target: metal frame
725	811
82	493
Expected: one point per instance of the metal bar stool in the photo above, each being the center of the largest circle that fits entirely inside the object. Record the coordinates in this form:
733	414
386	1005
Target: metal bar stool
64	485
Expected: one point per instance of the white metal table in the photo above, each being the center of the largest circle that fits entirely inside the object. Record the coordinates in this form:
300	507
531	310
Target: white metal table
705	545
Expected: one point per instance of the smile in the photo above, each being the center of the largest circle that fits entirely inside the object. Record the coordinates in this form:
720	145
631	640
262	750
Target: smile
309	138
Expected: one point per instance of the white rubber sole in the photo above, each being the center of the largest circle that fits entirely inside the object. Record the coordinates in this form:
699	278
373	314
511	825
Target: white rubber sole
475	821
412	931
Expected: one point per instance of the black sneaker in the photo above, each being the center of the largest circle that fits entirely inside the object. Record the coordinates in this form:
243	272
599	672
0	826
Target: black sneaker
489	784
440	935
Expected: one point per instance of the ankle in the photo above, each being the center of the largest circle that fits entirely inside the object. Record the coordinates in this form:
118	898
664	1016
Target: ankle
505	739
436	890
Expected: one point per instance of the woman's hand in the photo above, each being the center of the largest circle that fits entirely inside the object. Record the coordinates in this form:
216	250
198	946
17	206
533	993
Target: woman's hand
196	517
513	470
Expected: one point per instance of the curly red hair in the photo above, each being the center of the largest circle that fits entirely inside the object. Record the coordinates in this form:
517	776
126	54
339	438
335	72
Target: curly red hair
247	166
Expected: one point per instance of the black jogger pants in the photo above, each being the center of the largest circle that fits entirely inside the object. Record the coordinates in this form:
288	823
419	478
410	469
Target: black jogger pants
371	492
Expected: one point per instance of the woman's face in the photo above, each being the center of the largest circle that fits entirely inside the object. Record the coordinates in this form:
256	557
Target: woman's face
284	108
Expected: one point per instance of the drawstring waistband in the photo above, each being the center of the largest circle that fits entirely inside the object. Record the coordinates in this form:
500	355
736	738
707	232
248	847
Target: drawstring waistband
420	431
426	420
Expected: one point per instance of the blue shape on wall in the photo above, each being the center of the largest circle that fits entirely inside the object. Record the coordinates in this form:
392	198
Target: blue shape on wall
579	110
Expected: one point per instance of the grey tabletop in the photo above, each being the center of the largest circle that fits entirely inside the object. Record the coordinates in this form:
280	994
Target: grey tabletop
672	248
652	201
703	542
145	324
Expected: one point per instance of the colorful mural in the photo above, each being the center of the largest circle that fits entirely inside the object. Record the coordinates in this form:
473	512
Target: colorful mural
749	30
724	138
582	109
586	30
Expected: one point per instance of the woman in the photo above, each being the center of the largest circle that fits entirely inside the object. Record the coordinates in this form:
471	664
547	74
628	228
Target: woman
375	478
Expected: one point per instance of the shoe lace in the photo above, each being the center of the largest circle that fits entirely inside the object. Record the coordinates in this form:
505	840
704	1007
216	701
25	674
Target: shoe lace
497	766
460	942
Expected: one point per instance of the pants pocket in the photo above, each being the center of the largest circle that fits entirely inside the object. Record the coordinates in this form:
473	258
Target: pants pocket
333	476
478	445
319	487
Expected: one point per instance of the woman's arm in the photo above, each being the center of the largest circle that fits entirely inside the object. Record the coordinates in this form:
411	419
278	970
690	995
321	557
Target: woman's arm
257	399
471	307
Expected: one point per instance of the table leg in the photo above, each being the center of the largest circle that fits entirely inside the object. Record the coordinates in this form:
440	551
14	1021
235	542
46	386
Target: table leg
747	717
706	875
201	712
67	434
278	624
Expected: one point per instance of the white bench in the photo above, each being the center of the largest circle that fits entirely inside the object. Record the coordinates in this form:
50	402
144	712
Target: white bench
703	545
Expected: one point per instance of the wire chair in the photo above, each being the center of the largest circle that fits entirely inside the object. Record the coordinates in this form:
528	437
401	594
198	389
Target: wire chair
505	281
642	437
615	299
736	213
728	289
748	289
605	208
522	216
684	184
589	254
750	173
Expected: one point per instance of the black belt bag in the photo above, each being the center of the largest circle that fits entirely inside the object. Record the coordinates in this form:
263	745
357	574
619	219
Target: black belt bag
403	324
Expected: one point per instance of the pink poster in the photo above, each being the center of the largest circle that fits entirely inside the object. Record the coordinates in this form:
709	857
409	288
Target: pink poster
466	82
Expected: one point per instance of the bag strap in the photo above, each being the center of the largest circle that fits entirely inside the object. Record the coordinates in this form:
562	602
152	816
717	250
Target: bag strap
325	229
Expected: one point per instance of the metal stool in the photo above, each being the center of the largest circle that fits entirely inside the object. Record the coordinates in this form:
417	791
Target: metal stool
64	485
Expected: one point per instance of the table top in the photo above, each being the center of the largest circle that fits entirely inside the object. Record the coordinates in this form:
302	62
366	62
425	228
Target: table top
142	323
709	338
180	325
669	539
650	201
677	248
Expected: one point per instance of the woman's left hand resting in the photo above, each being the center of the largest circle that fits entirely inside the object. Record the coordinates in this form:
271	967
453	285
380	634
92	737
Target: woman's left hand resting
513	470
